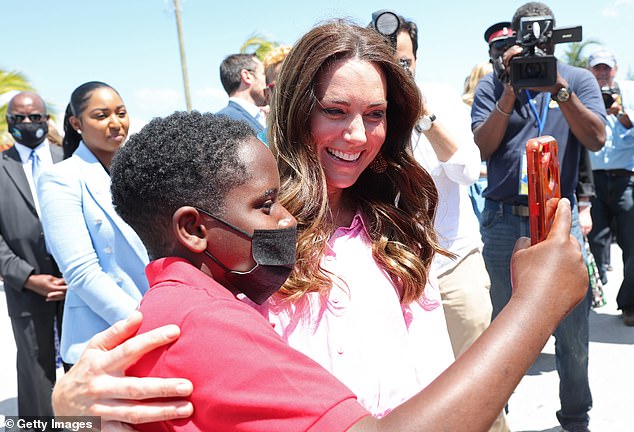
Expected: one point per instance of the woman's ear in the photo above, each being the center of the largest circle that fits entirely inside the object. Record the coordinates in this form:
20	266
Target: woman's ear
75	123
189	229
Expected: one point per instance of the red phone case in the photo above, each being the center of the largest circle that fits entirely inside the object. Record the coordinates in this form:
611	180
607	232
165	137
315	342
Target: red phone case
543	184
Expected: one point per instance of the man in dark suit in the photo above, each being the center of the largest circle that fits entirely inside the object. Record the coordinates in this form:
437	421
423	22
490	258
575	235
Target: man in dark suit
242	76
32	282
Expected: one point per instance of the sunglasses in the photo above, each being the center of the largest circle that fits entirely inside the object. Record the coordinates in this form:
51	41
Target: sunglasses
19	118
503	44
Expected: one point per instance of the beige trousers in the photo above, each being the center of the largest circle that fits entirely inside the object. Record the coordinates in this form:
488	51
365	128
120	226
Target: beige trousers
467	305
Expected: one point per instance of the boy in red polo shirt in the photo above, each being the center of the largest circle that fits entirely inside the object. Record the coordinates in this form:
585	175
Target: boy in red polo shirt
201	192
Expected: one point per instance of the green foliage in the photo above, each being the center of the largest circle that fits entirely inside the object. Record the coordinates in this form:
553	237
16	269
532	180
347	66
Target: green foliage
574	53
258	44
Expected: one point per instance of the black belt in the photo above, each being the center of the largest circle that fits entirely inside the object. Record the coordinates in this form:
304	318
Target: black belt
514	209
615	172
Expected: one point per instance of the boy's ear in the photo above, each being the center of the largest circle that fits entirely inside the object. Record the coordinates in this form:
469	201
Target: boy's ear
189	229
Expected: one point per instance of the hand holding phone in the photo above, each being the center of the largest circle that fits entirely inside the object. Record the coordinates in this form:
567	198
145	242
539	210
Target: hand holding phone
543	185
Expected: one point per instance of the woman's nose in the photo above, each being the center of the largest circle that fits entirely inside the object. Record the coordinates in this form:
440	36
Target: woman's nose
356	130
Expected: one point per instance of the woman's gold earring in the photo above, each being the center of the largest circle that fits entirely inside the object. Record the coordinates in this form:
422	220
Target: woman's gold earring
379	164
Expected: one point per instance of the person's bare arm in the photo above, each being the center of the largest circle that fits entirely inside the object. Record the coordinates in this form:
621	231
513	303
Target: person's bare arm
488	135
584	124
549	279
442	142
96	385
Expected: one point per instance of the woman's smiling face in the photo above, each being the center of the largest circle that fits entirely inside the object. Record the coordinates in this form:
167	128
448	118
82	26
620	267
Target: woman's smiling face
348	124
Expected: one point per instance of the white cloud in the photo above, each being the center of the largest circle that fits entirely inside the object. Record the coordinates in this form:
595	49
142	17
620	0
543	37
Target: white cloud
616	9
209	99
149	102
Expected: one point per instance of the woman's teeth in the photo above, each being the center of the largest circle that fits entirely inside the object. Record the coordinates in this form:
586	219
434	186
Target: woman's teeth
350	157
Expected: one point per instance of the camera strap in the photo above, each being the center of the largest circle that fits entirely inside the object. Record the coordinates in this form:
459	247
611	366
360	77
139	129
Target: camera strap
541	121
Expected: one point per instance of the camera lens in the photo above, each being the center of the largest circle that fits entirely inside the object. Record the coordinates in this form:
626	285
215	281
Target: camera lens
532	70
387	23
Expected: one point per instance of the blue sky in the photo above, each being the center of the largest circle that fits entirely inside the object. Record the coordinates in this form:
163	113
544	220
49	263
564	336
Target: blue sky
133	45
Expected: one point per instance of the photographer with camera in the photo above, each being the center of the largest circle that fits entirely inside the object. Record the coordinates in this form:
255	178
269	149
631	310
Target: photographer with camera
520	102
613	169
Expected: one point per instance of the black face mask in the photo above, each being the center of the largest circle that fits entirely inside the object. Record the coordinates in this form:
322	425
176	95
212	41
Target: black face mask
29	134
274	254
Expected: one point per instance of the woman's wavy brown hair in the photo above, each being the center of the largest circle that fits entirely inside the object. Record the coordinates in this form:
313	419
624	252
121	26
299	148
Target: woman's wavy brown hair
398	205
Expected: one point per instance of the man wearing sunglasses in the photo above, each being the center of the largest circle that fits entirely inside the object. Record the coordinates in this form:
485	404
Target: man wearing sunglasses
32	282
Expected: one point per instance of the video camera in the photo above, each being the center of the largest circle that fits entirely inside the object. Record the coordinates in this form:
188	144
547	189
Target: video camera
534	68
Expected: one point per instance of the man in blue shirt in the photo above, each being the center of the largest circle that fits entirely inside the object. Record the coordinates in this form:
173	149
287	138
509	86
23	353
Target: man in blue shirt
503	119
613	169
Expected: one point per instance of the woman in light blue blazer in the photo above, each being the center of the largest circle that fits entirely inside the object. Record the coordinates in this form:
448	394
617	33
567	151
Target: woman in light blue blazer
101	257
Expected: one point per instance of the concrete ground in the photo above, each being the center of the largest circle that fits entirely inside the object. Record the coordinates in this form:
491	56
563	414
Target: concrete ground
535	401
533	405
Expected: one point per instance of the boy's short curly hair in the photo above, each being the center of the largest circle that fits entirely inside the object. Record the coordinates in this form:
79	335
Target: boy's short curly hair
183	159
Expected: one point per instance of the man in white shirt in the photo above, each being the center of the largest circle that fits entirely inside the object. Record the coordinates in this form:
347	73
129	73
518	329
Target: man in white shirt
443	144
32	282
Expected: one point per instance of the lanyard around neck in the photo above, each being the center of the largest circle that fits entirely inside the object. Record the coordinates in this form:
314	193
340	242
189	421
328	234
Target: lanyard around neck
540	121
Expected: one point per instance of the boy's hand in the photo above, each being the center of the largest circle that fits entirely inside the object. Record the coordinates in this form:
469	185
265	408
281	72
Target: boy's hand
551	273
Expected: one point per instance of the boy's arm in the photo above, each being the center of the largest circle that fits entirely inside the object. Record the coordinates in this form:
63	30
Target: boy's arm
477	386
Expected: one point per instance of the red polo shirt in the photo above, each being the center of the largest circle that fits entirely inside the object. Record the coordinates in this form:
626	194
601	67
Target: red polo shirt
245	376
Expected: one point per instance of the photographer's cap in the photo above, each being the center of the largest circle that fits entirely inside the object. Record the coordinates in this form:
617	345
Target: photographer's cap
602	56
498	31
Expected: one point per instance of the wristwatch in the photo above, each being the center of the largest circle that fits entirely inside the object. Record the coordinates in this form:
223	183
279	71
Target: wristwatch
562	95
425	122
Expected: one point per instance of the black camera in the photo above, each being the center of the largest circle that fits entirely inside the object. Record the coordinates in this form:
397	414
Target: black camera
496	50
610	95
386	23
535	68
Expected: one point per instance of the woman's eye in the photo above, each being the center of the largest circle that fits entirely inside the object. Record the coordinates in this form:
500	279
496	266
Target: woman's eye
333	111
378	114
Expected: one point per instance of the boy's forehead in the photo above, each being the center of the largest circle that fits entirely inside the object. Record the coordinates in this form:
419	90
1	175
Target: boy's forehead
252	151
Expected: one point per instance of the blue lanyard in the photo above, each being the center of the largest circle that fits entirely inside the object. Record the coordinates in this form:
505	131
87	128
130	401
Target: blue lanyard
540	121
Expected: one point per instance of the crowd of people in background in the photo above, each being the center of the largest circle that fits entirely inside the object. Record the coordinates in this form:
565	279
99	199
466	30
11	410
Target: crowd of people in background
368	286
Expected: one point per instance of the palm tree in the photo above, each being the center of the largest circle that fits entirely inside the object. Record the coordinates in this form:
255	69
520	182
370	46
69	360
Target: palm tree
259	45
573	55
9	81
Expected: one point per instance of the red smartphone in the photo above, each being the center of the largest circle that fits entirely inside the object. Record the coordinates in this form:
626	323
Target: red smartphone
543	184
